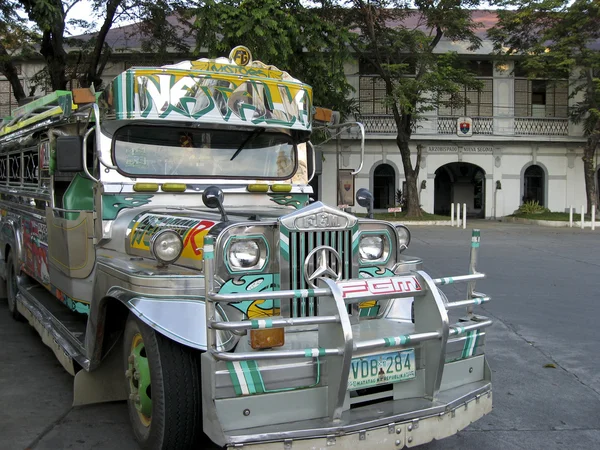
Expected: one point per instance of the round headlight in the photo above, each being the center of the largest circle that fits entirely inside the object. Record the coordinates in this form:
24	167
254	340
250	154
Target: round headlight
166	246
403	237
244	254
371	247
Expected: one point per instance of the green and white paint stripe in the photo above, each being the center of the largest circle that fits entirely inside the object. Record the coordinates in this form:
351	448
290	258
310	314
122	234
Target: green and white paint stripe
396	340
261	324
302	293
455	331
471	341
314	352
209	248
447	280
284	243
247	380
475	238
246	377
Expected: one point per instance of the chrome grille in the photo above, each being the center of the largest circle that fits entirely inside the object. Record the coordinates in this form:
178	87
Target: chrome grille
301	243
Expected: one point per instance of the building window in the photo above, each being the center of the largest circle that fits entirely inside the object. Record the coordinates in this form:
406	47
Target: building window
472	102
7	99
534	184
372	94
541	98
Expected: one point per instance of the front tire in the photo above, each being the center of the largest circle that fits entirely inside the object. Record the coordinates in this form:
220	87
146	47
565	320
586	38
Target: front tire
12	289
163	383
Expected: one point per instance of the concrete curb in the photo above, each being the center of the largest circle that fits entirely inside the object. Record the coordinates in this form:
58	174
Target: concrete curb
548	223
423	222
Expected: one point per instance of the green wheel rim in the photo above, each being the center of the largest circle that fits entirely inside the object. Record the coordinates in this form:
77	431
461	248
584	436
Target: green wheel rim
138	373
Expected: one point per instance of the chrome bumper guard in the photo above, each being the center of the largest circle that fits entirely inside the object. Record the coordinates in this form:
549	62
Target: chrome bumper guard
336	343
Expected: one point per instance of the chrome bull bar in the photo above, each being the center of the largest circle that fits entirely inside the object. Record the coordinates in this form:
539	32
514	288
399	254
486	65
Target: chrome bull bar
336	341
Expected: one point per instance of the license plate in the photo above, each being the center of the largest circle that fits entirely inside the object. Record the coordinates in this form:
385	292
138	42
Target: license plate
383	368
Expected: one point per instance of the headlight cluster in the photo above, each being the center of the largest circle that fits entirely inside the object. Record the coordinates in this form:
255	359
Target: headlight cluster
371	247
246	253
166	246
403	237
374	247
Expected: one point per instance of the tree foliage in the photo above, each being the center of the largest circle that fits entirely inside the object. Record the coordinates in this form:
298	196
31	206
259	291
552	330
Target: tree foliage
558	39
14	36
399	40
84	57
283	33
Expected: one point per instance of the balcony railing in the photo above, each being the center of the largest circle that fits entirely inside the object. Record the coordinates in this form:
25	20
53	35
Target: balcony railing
446	125
541	126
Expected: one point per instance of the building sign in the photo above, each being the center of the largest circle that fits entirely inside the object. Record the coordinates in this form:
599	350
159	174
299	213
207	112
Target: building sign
442	149
464	126
478	149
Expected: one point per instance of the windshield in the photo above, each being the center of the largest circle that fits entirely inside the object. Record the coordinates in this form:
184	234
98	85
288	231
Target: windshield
155	151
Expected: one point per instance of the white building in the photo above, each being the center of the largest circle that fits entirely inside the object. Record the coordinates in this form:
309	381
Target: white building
521	144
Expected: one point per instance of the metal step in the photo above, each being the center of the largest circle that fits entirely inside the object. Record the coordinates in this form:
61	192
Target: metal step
61	329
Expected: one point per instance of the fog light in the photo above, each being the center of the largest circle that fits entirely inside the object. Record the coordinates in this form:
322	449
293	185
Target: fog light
267	338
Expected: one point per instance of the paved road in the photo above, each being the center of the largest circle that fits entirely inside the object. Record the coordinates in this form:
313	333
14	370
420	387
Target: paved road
545	285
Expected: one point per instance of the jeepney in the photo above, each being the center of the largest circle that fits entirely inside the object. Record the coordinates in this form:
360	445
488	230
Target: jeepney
161	238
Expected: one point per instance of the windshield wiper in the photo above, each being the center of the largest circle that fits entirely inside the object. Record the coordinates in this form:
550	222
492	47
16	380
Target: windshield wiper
249	139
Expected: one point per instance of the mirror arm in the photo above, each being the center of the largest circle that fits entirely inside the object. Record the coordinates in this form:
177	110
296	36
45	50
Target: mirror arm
84	156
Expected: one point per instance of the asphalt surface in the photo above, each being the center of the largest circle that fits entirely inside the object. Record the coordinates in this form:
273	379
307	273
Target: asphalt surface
543	349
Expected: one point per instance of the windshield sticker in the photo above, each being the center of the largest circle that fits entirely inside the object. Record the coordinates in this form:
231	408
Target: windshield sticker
212	98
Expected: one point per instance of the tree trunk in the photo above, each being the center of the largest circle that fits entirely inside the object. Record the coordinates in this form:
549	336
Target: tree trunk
589	152
413	208
7	68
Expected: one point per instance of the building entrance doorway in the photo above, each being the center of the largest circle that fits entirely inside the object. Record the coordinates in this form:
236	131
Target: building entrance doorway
462	183
534	185
384	186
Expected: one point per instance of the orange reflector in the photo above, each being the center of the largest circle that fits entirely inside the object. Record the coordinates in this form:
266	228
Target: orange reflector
323	114
281	187
173	187
83	95
258	187
267	338
145	187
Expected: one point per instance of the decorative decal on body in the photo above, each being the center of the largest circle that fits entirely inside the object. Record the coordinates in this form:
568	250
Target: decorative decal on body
380	286
192	232
296	201
371	308
254	309
113	203
35	246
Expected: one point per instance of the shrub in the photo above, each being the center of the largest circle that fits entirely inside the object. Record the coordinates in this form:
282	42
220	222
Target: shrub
532	207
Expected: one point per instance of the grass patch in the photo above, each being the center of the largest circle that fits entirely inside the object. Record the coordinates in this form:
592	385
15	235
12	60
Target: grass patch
558	216
401	216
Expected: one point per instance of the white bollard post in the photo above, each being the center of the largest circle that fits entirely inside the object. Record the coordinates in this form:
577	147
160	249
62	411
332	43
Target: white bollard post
593	217
464	216
458	215
582	217
570	217
452	214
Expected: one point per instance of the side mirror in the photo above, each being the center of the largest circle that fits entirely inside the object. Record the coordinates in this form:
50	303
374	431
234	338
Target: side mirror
365	199
69	153
213	198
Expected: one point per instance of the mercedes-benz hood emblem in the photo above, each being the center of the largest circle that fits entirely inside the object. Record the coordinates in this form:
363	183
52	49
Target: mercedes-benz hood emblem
328	264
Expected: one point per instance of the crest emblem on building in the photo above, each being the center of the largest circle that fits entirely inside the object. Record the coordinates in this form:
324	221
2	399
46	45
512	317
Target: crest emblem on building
464	126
